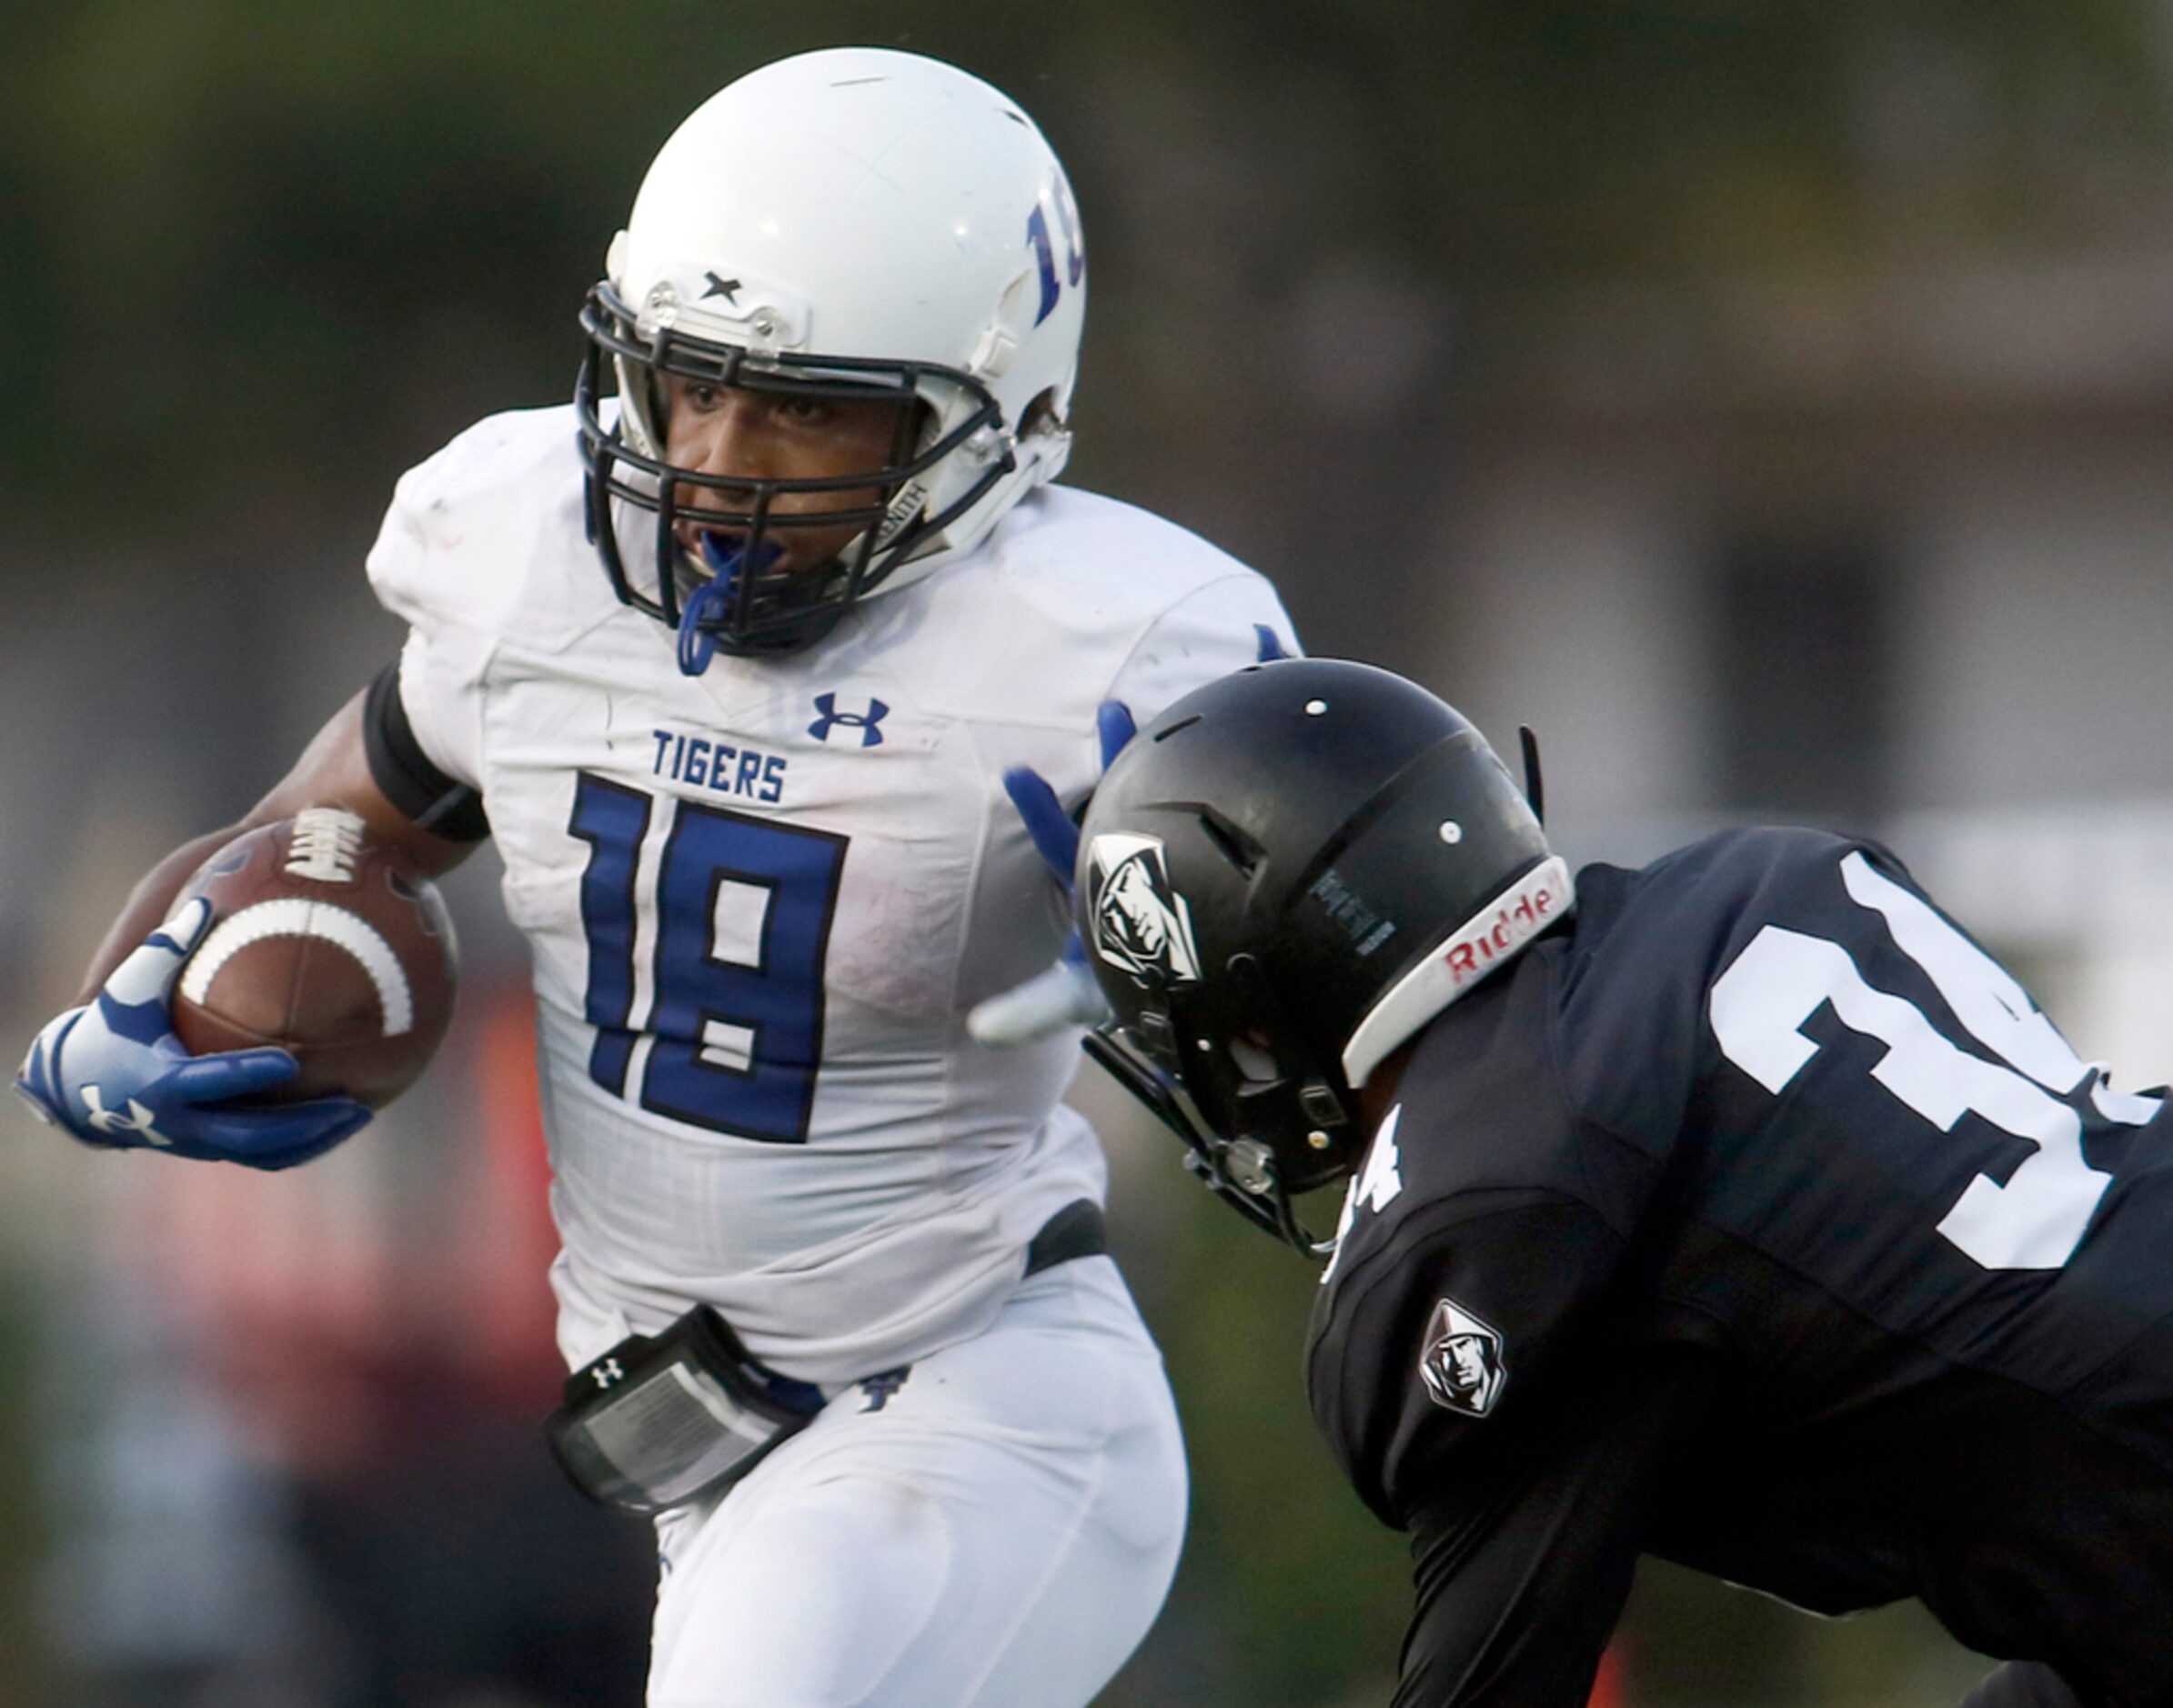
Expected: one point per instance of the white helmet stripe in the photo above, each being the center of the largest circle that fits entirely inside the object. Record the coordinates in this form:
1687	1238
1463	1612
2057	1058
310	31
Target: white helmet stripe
1474	948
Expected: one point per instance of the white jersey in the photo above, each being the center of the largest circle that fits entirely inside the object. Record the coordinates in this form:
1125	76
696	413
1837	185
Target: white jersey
761	901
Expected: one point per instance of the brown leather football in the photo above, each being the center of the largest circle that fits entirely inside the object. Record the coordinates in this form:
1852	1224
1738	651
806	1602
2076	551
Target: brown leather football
326	943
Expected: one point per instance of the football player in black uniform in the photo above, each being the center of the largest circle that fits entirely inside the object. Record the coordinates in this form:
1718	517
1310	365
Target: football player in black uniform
1739	1209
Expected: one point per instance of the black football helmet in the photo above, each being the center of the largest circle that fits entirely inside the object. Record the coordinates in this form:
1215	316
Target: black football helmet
1280	880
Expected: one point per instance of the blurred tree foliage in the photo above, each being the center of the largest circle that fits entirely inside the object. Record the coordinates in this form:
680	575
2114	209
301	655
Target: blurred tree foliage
260	252
1518	144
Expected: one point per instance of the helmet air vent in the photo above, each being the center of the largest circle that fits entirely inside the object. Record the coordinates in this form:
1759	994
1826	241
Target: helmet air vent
1230	842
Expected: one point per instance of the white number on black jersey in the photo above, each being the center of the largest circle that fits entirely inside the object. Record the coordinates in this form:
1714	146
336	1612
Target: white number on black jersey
2037	1219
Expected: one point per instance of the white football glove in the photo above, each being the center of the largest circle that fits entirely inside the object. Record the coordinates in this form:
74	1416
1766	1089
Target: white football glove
1059	996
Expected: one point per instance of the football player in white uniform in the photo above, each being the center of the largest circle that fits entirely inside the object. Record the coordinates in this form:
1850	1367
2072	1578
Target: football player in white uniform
731	658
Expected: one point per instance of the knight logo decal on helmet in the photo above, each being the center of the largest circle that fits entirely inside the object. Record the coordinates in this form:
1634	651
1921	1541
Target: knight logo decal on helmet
1140	922
1461	1363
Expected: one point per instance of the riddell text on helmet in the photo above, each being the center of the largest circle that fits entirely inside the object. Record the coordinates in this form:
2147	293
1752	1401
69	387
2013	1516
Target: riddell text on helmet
1522	916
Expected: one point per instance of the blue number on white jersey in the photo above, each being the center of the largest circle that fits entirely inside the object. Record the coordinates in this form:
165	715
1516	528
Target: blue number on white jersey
739	917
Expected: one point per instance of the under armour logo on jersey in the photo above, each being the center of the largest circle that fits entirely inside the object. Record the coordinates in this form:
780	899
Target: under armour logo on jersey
880	1387
608	1372
1461	1364
867	722
135	1118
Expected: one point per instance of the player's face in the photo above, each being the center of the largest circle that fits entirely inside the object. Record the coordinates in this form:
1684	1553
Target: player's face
770	436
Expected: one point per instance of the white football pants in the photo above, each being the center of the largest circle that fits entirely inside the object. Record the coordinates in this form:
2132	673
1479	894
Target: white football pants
997	1532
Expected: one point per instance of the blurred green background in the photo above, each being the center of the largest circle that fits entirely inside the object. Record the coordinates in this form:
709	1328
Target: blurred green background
1770	402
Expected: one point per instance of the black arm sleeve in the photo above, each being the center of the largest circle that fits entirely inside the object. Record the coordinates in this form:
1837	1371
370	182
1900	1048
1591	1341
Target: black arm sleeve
400	767
1522	1567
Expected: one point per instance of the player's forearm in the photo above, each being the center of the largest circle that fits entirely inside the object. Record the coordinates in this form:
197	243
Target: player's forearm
1519	1582
1526	1545
1466	1649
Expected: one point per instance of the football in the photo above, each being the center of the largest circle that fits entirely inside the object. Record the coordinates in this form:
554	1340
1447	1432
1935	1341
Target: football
325	942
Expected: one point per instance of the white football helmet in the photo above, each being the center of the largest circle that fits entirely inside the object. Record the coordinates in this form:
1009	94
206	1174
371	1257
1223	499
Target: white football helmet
856	222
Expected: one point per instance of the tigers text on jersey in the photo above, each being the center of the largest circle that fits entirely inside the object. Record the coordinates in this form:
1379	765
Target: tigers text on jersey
1759	1221
760	900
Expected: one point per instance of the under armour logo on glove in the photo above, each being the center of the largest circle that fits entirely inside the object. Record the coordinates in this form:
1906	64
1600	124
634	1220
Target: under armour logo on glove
867	722
136	1119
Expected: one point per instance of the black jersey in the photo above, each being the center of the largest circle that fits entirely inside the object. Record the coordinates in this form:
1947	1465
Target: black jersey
1759	1221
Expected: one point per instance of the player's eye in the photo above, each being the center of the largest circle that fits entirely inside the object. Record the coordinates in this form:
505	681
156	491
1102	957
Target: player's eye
803	411
694	397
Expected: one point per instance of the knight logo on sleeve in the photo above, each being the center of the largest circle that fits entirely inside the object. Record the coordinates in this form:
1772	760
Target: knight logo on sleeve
1462	1363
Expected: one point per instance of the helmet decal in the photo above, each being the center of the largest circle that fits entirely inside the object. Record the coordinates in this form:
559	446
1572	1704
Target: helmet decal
1349	910
1461	1363
1140	922
1059	193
